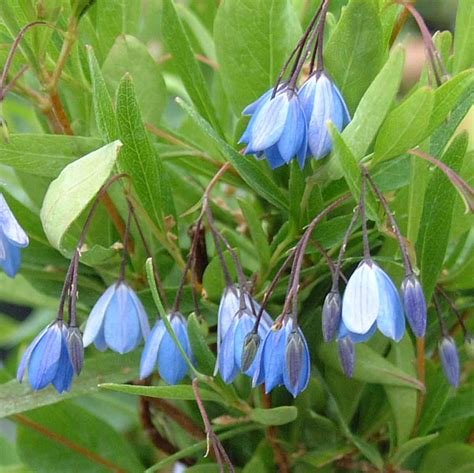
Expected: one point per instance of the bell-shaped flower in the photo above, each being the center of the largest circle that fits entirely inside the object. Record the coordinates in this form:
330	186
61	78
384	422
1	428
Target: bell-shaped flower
283	359
162	352
229	312
415	304
277	129
449	357
117	321
322	101
12	239
47	359
372	298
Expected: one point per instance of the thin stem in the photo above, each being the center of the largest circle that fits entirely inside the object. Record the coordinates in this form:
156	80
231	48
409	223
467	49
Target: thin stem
73	292
65	289
365	235
123	263
439	313
454	309
321	25
393	223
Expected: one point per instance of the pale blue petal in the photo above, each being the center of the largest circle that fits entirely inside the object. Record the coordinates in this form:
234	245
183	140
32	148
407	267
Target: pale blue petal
244	326
99	340
274	157
10	226
12	261
346	116
227	366
306	95
294	131
141	313
149	358
274	358
356	337
254	106
26	356
65	373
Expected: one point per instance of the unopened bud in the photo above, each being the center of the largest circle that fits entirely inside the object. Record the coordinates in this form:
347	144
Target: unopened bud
295	353
415	304
449	357
75	348
249	352
346	355
331	315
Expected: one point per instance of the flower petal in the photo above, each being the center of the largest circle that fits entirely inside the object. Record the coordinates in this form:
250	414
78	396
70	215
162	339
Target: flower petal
10	226
228	369
149	358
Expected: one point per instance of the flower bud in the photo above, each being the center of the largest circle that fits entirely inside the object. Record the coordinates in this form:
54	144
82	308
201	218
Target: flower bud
249	352
346	355
75	348
415	304
469	345
331	315
448	354
294	357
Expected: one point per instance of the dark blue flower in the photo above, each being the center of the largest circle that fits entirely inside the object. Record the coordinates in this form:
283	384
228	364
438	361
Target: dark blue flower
449	357
161	350
345	348
277	129
415	304
331	315
372	298
75	348
233	326
47	359
283	358
12	239
117	321
321	102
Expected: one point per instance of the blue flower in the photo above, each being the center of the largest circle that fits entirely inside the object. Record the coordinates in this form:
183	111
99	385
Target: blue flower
12	239
415	304
75	348
162	351
117	321
47	359
322	101
345	348
371	298
331	316
233	326
283	359
277	129
449	357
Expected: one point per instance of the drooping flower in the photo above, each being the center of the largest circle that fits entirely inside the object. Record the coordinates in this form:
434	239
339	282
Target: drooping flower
277	129
449	357
372	298
162	351
331	315
233	326
283	359
345	348
12	239
322	101
75	348
415	304
117	321
47	359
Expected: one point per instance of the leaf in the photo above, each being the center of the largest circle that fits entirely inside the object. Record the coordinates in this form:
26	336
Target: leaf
355	51
183	392
451	457
276	416
128	54
16	397
138	158
177	42
374	105
213	279
253	40
464	32
70	193
72	439
410	447
44	155
457	408
206	360
433	236
103	107
371	367
405	126
369	451
247	166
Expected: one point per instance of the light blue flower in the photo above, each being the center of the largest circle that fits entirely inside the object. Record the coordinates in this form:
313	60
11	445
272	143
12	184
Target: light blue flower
321	102
449	357
233	326
372	298
47	359
283	359
12	239
117	321
277	129
161	350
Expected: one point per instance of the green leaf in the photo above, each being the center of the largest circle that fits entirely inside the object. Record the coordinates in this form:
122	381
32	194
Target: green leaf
177	42
405	126
276	416
374	105
464	32
183	392
369	451
213	279
247	166
458	408
433	236
410	447
452	458
206	360
139	160
371	367
253	40
72	439
128	54
355	51
44	155
69	195
16	397
102	101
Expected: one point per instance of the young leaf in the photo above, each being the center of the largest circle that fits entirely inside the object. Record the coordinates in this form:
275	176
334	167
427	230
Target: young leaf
70	193
253	40
276	416
405	126
206	360
409	447
369	451
450	457
464	32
